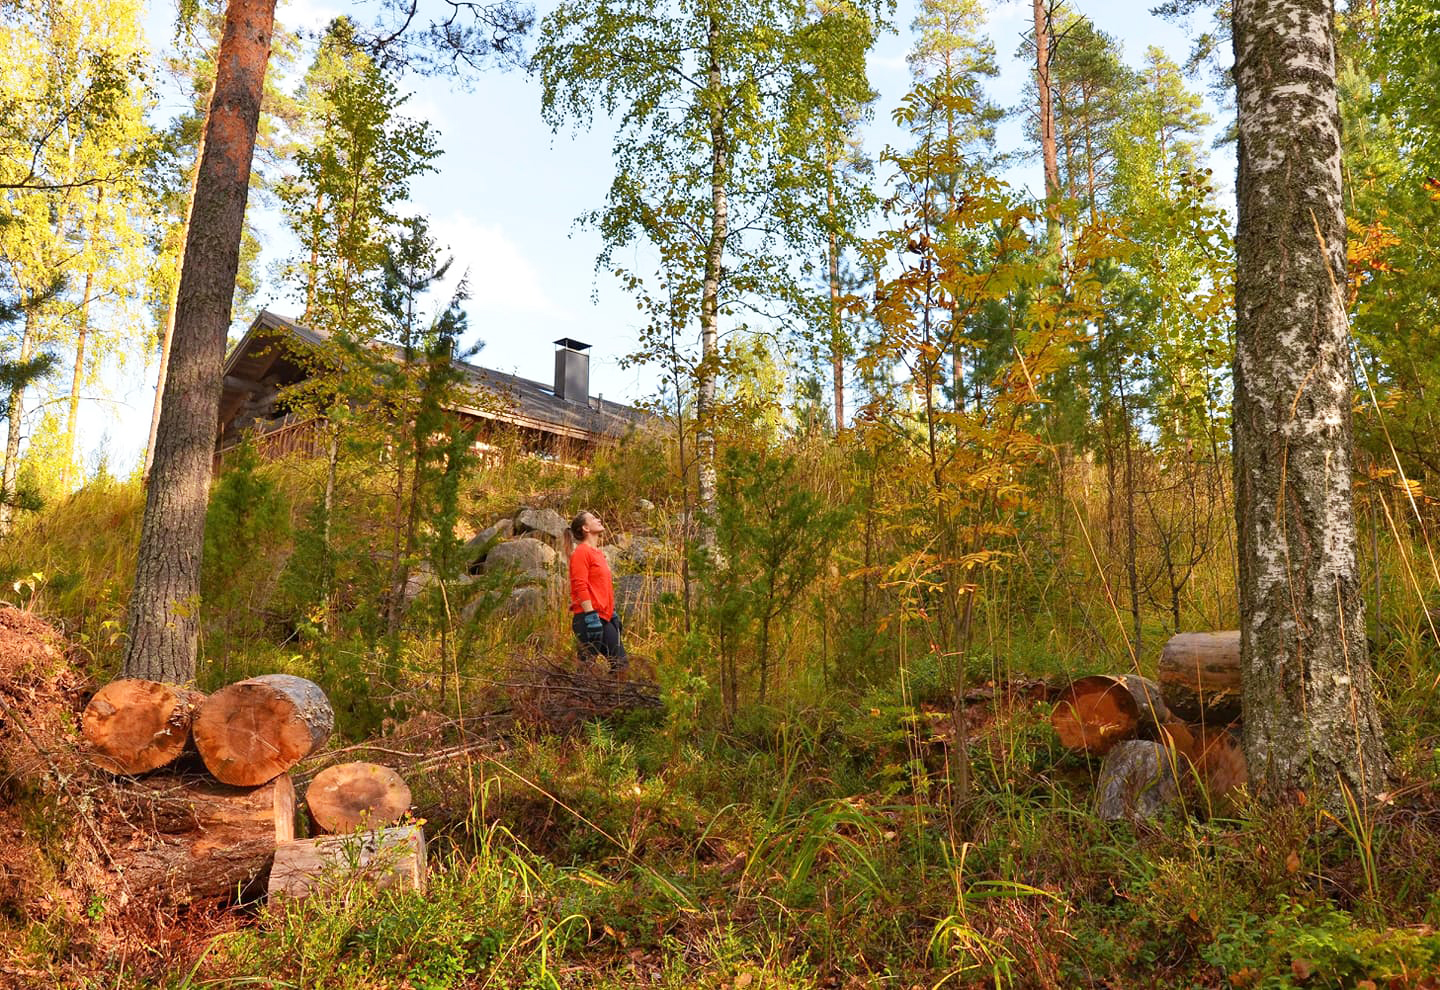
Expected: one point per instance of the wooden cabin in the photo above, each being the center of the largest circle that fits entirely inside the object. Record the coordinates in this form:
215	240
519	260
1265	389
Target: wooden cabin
560	420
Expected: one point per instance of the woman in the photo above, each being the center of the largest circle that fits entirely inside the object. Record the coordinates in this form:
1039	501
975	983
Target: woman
592	595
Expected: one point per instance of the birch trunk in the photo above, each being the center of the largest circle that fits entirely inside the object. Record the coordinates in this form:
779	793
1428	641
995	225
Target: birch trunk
163	622
12	434
1307	692
710	294
73	410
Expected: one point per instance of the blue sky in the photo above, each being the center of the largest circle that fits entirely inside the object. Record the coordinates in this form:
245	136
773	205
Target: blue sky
507	192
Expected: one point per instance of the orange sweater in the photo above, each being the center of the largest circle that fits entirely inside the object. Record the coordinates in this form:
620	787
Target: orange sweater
590	581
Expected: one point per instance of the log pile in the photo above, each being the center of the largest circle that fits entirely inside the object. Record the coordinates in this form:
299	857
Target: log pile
1156	736
213	835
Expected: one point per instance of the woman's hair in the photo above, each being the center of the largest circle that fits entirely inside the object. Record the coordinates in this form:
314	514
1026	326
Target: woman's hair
577	525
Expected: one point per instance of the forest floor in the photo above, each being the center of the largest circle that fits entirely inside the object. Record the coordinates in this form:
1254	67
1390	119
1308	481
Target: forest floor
801	849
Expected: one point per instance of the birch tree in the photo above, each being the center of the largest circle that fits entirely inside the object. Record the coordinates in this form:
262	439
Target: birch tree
700	92
1310	717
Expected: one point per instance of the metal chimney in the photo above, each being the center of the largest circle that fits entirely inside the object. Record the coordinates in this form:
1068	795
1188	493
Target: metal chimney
572	371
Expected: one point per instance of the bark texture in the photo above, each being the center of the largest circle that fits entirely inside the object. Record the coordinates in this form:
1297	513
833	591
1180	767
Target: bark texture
181	840
1308	699
710	293
387	858
1199	674
163	611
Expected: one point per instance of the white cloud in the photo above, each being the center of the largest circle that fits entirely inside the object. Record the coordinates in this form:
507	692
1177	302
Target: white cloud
502	278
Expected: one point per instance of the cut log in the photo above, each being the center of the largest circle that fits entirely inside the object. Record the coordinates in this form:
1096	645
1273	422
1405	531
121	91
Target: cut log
1094	713
387	858
1200	676
357	795
254	730
1220	761
135	726
187	839
1138	779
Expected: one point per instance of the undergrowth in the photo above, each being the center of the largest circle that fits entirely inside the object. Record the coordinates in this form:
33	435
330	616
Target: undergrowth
817	839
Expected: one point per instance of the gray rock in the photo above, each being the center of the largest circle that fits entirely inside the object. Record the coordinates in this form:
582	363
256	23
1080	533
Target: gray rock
524	601
645	505
635	553
545	524
479	545
418	582
636	594
529	559
1137	781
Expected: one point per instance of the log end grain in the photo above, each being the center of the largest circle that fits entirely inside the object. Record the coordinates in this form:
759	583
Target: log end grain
1095	713
253	730
1220	761
357	795
134	726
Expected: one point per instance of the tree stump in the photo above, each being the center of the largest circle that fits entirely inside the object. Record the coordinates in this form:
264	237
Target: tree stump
1138	779
1094	713
134	726
357	795
386	858
185	839
1200	676
254	730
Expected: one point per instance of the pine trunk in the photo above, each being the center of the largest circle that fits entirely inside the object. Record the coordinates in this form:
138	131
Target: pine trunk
167	335
1046	108
163	616
185	840
1309	703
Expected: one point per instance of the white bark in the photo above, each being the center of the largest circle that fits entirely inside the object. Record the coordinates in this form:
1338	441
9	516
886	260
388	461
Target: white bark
1310	719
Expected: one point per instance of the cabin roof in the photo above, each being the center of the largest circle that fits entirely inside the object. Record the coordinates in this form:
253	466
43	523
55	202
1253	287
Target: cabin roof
255	362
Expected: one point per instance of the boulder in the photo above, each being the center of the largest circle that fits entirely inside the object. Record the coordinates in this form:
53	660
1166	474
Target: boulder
645	552
636	594
542	524
479	545
417	582
527	558
525	601
645	505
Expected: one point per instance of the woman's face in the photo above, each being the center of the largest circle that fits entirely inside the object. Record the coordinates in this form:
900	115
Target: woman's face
593	526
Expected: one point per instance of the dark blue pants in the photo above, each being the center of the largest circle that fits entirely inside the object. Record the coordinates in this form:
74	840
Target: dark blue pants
609	646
